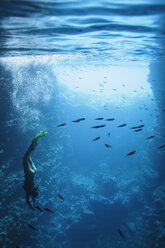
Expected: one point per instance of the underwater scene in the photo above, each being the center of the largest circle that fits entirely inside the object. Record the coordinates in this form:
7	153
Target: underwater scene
82	124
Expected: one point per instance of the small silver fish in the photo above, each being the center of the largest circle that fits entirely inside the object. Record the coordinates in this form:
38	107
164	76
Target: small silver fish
110	119
121	234
160	147
32	227
137	127
108	145
78	120
98	126
96	138
131	153
123	125
150	137
61	196
98	119
137	130
61	125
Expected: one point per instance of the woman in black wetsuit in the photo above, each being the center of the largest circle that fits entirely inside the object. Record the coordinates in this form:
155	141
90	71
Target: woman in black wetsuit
30	170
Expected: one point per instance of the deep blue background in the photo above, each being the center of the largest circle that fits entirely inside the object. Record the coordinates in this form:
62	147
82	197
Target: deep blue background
42	45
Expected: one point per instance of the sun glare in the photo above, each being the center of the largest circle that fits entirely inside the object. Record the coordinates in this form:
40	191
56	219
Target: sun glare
108	82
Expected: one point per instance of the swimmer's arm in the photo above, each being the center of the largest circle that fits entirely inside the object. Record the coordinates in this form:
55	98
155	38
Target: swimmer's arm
39	135
34	142
30	149
28	202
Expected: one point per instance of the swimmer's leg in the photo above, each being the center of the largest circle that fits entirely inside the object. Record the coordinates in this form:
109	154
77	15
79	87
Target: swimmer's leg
28	202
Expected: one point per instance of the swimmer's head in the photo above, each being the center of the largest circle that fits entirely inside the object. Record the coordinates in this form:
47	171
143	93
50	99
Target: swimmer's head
35	192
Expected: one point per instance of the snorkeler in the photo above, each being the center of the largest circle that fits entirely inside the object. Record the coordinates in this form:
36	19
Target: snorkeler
30	170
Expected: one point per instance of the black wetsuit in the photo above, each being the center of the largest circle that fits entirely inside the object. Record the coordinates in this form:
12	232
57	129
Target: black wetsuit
29	170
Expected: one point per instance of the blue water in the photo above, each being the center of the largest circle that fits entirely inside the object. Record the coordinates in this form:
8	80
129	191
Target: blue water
66	60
